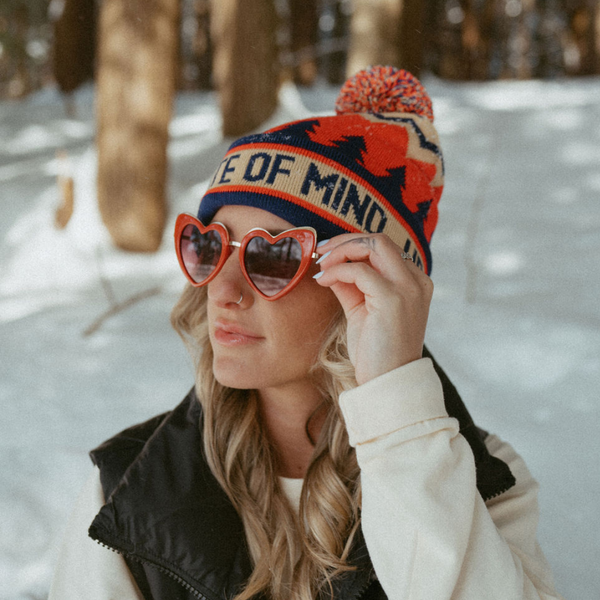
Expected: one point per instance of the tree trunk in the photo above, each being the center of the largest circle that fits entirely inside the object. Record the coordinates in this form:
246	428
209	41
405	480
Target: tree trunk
596	40
471	40
136	82
412	39
448	40
21	83
482	68
590	39
523	43
582	38
245	62
74	44
202	45
335	61
304	23
373	34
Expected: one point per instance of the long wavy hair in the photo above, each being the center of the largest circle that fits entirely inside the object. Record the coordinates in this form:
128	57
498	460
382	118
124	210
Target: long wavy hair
293	556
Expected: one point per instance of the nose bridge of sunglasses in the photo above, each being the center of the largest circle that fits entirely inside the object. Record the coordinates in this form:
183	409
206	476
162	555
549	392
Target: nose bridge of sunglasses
230	249
236	262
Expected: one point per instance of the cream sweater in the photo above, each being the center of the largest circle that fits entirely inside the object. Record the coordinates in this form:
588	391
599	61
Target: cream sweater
429	534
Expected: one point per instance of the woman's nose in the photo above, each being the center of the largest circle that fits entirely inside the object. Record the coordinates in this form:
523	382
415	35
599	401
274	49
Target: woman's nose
230	285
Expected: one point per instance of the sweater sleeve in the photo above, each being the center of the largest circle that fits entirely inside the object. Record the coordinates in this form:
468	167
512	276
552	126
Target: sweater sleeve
428	531
85	569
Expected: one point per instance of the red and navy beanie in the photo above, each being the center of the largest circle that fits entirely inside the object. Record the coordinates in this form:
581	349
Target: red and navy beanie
376	166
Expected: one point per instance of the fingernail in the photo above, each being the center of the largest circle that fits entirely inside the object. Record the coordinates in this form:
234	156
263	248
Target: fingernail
324	256
323	242
319	274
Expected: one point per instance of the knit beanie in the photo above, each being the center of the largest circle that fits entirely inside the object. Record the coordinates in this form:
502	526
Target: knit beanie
374	167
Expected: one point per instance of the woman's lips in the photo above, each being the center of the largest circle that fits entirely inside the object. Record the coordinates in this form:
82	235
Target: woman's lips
228	334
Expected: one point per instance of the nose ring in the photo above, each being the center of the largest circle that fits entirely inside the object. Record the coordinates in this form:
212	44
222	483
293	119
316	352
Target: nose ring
240	300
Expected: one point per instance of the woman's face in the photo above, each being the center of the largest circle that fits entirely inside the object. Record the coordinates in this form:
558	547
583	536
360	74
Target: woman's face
260	344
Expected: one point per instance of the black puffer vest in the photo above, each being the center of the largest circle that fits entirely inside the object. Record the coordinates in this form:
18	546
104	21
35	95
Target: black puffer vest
176	528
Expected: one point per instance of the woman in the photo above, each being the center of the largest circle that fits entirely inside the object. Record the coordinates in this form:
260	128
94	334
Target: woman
322	453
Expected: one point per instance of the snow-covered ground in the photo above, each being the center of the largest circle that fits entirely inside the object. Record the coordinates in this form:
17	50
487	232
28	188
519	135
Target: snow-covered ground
515	320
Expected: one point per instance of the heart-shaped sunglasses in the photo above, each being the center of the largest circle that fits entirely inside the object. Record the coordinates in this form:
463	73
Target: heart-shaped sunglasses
272	265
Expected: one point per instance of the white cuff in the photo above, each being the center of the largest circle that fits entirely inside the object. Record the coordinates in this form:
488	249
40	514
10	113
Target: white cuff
407	395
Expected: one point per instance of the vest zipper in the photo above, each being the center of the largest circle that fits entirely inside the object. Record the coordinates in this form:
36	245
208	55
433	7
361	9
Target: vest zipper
499	492
190	588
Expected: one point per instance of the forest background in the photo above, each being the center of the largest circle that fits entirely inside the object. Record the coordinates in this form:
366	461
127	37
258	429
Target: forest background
142	52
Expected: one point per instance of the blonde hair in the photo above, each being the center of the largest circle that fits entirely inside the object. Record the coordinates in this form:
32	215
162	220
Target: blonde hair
293	557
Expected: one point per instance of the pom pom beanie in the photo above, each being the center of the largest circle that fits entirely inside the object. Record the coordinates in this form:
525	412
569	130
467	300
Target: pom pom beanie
376	166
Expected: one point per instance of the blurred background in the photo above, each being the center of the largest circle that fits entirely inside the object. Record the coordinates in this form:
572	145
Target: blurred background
113	117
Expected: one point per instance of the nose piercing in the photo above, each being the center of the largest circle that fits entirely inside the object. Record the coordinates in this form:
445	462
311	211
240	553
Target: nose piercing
240	300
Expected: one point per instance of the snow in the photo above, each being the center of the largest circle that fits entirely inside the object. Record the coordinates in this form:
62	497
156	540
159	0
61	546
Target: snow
515	319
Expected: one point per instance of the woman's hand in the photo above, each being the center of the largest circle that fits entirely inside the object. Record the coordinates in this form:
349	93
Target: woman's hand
384	296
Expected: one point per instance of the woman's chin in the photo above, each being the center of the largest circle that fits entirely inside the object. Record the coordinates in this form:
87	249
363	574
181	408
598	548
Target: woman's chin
234	376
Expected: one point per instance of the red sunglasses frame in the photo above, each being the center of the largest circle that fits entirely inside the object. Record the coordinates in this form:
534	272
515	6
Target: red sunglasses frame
305	236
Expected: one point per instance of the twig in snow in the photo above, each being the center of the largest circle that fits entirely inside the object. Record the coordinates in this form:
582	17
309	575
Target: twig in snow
475	221
120	306
105	281
114	305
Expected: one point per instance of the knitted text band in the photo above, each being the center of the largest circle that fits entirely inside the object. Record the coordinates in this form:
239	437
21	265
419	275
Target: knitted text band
374	167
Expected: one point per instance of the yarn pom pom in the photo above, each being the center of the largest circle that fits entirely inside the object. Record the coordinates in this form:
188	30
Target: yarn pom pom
384	90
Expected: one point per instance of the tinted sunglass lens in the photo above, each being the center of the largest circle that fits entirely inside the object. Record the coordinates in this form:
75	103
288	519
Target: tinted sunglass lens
271	267
200	252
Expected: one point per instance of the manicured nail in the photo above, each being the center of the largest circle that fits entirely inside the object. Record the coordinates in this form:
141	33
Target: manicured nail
322	243
319	274
324	256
